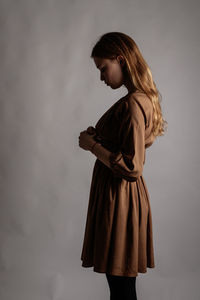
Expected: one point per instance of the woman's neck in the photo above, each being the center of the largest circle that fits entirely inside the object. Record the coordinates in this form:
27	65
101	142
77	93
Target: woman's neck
130	87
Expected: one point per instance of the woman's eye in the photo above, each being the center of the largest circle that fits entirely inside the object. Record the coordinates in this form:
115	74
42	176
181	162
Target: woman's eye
103	69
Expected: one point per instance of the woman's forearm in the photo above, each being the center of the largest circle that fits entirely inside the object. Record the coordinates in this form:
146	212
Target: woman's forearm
101	153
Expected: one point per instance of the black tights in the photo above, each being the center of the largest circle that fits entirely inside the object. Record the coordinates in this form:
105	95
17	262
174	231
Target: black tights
121	287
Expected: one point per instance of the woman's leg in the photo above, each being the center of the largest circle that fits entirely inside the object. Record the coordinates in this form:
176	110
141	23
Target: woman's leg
122	287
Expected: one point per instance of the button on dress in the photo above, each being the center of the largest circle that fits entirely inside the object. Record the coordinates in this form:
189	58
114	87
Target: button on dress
118	237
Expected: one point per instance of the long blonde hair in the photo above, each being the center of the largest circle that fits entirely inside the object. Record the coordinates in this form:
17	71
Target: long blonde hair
112	44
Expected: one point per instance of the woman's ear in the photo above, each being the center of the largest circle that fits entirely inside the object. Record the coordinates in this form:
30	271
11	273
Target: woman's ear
121	60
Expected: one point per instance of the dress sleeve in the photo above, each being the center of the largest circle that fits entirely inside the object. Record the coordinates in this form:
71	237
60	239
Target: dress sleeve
129	160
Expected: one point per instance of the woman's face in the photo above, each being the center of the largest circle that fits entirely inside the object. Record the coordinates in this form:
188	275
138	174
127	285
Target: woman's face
110	71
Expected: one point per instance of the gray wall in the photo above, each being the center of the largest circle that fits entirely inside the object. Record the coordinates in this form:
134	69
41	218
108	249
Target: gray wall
49	92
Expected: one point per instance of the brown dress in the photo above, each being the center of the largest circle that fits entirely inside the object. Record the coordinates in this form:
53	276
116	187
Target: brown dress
118	236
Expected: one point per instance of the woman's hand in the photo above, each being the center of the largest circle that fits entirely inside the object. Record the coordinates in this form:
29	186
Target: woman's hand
91	130
86	139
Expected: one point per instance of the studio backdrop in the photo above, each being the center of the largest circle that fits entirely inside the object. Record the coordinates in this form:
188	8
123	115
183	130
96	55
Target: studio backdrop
50	91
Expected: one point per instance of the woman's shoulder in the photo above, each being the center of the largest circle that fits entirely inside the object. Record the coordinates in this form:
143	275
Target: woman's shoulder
138	104
138	98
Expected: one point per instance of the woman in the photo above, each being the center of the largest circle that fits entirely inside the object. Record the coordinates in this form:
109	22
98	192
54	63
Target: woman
118	237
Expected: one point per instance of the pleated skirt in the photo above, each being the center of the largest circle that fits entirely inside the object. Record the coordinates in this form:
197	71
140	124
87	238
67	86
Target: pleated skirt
118	237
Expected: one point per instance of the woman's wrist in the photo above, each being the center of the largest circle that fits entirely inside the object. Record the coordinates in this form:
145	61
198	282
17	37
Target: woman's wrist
93	145
101	153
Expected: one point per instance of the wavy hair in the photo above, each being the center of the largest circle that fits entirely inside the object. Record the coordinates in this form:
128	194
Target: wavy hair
112	44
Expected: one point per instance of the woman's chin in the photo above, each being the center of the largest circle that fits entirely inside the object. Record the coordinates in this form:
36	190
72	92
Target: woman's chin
114	87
